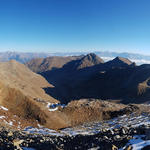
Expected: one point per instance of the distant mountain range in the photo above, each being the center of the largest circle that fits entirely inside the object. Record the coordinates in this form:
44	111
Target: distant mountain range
24	57
137	58
20	56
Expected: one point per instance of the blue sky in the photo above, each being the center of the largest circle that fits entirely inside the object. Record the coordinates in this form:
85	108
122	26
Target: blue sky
75	25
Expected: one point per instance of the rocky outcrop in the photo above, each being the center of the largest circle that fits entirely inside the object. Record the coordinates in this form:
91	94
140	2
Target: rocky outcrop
110	139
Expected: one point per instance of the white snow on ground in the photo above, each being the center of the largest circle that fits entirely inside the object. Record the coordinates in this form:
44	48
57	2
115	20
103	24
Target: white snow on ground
54	109
137	143
10	123
1	117
40	126
131	120
71	132
54	106
48	105
4	108
93	128
26	148
44	131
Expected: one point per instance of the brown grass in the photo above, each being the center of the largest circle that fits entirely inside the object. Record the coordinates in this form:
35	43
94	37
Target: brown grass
21	105
18	76
82	111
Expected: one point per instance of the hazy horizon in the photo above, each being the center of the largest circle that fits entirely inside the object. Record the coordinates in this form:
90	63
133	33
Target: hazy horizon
77	51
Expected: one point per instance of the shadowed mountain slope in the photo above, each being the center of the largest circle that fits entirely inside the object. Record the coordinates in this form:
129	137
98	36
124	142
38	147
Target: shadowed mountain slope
90	77
129	84
119	62
88	61
75	82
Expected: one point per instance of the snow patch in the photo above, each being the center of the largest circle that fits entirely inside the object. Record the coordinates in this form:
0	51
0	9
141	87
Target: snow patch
48	105
44	131
53	109
137	142
27	148
4	108
10	123
54	106
1	117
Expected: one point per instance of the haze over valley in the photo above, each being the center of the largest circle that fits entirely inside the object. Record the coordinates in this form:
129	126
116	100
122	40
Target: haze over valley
23	57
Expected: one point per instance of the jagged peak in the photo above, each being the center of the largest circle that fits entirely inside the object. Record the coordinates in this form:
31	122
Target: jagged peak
122	59
93	57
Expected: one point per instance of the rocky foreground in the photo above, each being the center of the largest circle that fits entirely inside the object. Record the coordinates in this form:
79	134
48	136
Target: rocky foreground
123	133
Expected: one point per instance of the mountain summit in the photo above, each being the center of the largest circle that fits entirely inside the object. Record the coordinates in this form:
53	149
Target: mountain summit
85	61
69	62
119	62
123	60
89	60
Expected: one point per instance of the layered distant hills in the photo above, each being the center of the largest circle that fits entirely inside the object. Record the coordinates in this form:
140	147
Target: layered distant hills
24	57
20	57
88	76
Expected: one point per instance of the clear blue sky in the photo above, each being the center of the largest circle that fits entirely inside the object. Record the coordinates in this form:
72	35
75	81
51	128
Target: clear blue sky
75	25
